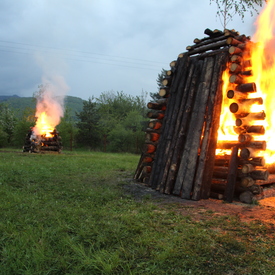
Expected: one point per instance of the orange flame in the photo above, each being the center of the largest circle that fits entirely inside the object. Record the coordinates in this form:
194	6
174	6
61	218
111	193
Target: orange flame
263	69
43	125
263	62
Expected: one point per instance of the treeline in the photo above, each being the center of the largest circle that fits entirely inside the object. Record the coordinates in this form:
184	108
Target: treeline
114	122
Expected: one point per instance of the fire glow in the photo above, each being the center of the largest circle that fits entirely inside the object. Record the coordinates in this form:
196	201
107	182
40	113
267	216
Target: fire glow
262	65
49	110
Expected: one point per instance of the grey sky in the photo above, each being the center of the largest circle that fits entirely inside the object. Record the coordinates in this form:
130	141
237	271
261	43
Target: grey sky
101	45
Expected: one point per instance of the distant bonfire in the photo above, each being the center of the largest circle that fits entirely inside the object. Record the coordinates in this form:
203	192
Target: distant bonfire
40	143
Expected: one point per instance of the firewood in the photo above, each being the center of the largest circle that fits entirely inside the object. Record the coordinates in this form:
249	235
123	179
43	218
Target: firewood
189	92
247	153
203	177
247	181
157	106
168	122
232	41
156	115
232	175
155	124
236	95
260	145
184	180
235	68
167	81
169	171
247	87
164	92
235	50
152	136
149	148
224	161
247	168
244	105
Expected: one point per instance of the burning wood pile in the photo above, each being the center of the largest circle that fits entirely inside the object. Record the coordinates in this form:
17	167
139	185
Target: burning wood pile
187	150
42	143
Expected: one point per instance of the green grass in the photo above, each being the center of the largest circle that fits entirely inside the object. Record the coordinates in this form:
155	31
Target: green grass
69	214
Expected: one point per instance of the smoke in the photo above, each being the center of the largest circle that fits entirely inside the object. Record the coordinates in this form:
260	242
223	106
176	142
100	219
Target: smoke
51	95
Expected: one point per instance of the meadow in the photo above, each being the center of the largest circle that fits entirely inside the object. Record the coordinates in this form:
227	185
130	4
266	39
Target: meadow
69	213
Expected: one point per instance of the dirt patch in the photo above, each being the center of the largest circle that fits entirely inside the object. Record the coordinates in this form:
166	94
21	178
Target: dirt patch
264	211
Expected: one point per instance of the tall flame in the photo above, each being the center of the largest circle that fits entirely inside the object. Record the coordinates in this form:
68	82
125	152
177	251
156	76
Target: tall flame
263	68
49	107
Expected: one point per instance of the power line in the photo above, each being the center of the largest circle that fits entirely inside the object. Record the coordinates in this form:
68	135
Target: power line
77	51
93	61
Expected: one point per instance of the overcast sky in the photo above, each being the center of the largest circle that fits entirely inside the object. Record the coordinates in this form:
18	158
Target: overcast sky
99	45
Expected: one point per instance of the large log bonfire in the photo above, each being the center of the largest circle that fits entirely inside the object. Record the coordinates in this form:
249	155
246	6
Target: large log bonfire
211	133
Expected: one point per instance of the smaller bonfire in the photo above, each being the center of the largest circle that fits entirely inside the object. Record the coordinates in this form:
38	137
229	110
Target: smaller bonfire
49	110
42	143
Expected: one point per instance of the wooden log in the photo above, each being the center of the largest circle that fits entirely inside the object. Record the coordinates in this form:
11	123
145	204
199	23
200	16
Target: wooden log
243	138
256	129
247	63
215	195
203	178
187	168
256	144
247	153
155	124
173	64
246	73
149	148
212	46
152	136
259	174
236	95
236	79
247	181
155	115
224	161
147	169
170	72
178	140
235	68
147	159
252	116
236	58
244	105
233	50
247	168
164	92
167	81
232	175
157	105
232	41
178	78
247	87
172	134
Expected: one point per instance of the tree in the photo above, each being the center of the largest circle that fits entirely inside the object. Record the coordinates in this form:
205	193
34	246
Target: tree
229	8
120	120
23	125
7	121
161	75
67	129
87	125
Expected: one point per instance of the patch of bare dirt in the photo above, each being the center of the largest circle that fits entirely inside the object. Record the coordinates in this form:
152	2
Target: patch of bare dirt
264	211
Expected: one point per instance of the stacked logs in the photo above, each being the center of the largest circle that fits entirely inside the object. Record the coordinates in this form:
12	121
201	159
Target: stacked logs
181	138
40	144
249	167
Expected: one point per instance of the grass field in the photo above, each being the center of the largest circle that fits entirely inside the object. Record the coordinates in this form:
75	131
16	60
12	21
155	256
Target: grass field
69	214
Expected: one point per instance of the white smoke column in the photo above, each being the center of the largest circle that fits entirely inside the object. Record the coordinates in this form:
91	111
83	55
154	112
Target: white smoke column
50	98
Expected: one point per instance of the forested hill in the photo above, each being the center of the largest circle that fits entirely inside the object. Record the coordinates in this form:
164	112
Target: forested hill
19	104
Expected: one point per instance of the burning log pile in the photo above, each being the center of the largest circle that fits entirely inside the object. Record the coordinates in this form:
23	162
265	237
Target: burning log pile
180	153
42	143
